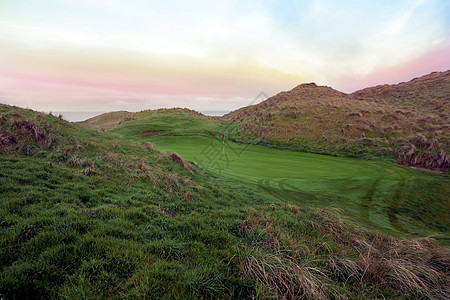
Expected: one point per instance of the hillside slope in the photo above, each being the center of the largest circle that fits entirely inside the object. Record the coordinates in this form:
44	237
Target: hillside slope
87	214
430	92
358	187
408	122
108	121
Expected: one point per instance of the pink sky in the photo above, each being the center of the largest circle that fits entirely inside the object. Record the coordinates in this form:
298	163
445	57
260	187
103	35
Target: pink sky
435	60
65	55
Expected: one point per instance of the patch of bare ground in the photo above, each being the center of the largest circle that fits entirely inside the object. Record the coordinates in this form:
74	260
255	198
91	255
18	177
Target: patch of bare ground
149	133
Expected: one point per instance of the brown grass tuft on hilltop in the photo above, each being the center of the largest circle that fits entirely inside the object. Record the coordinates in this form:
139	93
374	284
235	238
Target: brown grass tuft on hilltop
108	121
408	121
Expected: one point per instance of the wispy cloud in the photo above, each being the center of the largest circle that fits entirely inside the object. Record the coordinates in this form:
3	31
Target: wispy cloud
196	50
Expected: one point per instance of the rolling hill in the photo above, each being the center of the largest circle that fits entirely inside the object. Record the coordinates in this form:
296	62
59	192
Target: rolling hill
108	121
89	214
408	122
375	193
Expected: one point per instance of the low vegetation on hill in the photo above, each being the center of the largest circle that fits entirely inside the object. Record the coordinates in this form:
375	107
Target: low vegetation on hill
359	187
111	120
88	214
408	122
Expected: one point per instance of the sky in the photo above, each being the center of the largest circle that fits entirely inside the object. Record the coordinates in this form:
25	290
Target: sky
107	55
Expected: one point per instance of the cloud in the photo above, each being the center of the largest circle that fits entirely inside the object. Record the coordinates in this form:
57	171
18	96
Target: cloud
118	50
399	24
435	59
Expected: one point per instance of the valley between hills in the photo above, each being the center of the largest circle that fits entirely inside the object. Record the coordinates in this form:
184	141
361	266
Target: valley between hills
312	193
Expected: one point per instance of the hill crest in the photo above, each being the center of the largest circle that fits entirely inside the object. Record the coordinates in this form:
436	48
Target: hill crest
408	121
108	121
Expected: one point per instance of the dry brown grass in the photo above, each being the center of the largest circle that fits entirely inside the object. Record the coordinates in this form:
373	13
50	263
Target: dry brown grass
320	116
21	132
277	262
149	146
143	167
112	158
75	162
172	180
187	196
166	212
108	121
285	278
31	130
293	267
415	266
179	160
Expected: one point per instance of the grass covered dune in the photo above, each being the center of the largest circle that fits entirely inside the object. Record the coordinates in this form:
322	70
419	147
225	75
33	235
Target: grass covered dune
376	193
87	214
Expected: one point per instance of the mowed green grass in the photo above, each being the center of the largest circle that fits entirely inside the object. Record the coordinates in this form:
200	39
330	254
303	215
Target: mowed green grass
375	193
139	225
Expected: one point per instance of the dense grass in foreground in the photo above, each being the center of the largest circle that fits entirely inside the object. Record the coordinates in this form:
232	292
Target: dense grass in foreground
89	235
85	214
379	194
66	235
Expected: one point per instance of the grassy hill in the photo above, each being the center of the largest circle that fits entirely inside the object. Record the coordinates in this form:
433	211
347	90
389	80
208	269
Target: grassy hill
108	121
89	214
427	93
368	191
408	122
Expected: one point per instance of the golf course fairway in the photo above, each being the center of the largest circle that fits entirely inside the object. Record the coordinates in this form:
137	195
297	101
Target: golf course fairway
376	194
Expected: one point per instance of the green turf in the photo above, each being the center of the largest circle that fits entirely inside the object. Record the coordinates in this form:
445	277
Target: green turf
376	193
139	225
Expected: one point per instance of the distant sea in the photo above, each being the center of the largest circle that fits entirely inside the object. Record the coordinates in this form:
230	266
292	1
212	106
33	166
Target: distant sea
215	113
76	116
81	116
